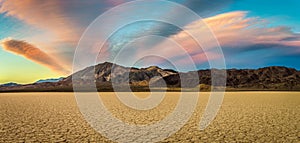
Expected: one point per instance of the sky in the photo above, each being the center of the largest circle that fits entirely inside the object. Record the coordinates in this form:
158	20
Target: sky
38	38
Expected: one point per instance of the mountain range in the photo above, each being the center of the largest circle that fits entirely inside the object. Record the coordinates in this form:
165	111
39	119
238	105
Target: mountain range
112	77
10	84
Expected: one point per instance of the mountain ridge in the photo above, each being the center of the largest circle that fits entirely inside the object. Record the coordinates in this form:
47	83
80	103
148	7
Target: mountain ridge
105	74
10	84
49	80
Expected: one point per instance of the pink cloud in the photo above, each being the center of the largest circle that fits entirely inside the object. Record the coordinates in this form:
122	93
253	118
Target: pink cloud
63	20
116	2
46	15
236	29
32	53
233	30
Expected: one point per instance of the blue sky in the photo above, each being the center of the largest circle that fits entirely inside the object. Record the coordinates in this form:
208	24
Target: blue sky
281	12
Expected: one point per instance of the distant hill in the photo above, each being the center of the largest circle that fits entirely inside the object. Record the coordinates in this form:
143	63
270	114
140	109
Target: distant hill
49	80
104	74
9	84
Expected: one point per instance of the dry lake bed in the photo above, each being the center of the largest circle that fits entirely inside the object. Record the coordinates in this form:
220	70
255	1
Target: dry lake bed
243	117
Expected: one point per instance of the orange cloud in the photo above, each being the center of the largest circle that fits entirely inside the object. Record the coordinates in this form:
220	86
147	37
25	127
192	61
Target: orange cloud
32	53
232	30
236	29
46	15
63	20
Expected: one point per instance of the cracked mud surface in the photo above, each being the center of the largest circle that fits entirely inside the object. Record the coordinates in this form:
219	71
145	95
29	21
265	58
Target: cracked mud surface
243	117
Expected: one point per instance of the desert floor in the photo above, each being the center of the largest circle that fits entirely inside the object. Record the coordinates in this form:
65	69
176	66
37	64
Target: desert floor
243	117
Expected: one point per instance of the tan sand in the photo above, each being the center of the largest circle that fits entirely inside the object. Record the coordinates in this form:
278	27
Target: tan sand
243	117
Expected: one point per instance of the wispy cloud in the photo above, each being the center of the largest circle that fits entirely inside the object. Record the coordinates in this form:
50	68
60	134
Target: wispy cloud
234	31
237	30
46	15
32	53
64	20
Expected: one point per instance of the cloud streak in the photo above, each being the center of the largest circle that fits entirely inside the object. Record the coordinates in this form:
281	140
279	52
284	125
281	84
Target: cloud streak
234	31
46	15
64	20
237	30
32	53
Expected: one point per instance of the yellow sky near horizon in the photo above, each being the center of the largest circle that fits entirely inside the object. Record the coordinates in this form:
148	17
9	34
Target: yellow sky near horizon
19	71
